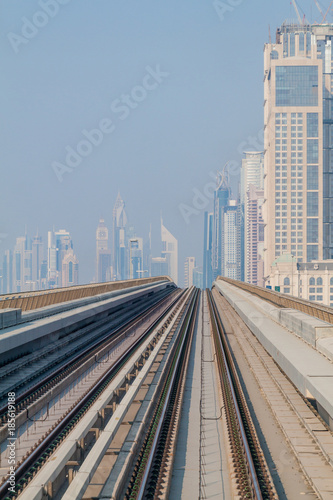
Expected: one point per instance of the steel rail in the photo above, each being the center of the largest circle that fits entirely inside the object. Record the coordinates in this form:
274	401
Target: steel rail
84	354
166	404
86	401
247	452
169	386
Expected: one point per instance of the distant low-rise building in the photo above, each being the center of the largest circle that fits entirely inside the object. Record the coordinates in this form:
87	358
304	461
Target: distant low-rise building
307	280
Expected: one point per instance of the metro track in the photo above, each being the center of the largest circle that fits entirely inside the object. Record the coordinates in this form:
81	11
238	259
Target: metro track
253	479
92	339
30	465
151	476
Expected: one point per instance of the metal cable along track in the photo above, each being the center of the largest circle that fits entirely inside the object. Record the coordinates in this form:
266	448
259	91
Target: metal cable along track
253	478
26	470
24	399
153	469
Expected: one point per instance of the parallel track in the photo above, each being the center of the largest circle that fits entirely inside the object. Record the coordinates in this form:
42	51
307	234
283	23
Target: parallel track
30	466
253	478
152	471
61	370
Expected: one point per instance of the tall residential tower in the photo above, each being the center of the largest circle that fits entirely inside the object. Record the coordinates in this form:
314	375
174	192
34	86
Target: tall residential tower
298	208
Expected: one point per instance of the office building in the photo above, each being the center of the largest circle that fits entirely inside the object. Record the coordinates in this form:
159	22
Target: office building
252	198
37	256
70	269
298	208
207	250
120	248
159	266
188	271
254	236
197	277
103	254
170	252
136	258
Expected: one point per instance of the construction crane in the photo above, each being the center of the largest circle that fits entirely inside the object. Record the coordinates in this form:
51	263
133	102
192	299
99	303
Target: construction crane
319	8
326	13
297	12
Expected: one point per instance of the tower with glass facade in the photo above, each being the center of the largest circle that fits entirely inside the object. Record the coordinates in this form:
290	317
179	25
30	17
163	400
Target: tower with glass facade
298	185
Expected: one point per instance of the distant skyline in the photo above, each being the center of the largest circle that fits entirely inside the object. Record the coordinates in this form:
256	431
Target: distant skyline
73	72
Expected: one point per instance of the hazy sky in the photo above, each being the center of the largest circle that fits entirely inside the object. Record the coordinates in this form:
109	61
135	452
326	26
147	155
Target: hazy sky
175	86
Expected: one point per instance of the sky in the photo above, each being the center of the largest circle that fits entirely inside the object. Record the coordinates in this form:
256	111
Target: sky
146	98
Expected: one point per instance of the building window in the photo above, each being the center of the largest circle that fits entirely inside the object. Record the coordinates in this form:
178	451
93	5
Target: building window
312	230
312	290
319	289
286	290
286	281
319	297
296	86
312	281
312	204
312	252
312	124
312	297
312	177
312	151
274	54
319	282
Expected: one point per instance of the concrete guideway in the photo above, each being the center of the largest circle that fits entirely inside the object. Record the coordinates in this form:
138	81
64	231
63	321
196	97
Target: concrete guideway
297	438
53	473
201	462
309	370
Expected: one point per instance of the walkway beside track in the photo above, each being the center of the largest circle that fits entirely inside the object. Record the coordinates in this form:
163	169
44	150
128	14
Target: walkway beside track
200	468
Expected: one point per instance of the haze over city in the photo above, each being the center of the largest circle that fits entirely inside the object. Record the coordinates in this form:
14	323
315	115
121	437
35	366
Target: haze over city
73	71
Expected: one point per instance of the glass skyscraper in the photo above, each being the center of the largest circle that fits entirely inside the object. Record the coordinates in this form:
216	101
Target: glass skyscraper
298	81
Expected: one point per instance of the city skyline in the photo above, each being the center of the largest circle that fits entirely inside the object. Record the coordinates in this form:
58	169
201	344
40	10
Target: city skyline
161	155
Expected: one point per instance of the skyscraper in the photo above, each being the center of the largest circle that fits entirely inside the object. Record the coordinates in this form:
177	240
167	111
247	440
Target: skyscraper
188	271
7	272
63	243
103	253
207	250
120	250
136	258
70	269
52	273
22	265
298	208
254	236
230	265
170	251
37	259
221	198
252	198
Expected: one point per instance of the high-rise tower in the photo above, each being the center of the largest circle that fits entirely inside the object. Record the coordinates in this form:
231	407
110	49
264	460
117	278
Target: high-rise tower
120	249
170	251
103	253
298	208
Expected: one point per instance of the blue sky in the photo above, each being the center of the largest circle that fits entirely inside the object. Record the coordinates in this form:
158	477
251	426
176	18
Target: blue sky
65	77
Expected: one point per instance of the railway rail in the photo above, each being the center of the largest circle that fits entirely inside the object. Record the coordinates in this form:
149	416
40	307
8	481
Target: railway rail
95	338
29	466
152	472
304	437
252	473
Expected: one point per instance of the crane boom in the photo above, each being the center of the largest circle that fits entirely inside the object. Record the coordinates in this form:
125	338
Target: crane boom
318	7
327	12
297	12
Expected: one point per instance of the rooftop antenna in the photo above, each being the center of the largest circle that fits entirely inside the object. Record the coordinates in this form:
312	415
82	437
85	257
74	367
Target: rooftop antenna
269	33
